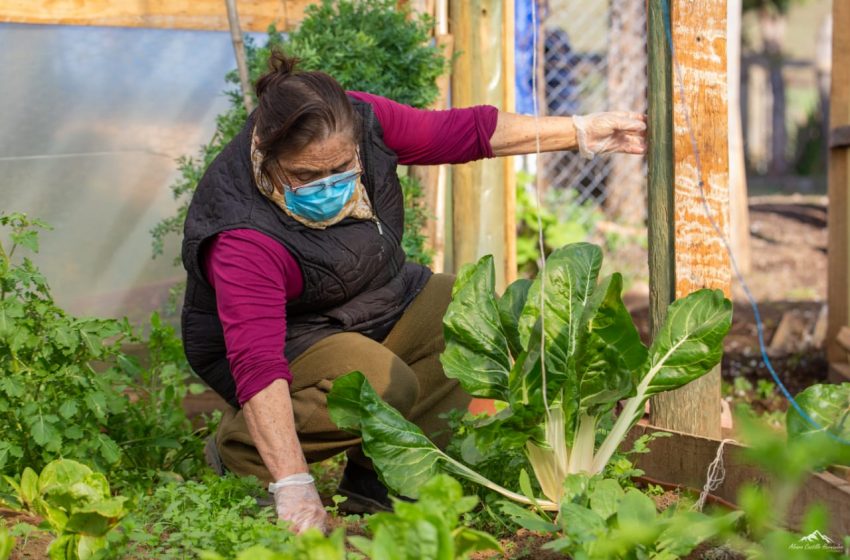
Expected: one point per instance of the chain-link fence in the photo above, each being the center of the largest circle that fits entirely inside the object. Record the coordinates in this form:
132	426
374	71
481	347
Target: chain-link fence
594	57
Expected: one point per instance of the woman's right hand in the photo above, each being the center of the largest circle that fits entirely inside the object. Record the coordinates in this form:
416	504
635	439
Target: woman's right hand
302	507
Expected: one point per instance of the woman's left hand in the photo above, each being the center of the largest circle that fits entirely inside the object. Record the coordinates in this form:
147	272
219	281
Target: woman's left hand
605	133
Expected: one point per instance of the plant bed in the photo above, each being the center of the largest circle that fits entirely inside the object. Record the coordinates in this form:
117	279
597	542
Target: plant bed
683	459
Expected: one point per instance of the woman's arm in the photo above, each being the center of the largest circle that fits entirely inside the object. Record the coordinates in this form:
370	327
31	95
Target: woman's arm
600	132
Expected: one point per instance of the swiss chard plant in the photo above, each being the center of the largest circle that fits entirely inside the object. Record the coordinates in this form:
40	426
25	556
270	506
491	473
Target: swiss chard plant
558	354
829	406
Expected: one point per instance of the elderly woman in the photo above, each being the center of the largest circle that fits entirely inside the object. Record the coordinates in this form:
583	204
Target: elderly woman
296	274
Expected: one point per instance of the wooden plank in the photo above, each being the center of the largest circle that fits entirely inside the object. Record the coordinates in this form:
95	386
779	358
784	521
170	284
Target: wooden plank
701	261
838	285
256	15
684	459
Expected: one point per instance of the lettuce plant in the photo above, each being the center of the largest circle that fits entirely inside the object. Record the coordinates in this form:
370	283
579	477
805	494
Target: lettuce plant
76	505
558	353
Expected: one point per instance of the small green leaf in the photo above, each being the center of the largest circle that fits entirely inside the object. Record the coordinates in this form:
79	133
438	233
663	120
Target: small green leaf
636	508
68	409
605	497
579	523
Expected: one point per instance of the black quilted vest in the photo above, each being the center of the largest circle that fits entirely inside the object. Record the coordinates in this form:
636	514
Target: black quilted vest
355	275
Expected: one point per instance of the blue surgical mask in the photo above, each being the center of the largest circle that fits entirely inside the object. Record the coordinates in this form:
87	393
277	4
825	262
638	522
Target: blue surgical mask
323	199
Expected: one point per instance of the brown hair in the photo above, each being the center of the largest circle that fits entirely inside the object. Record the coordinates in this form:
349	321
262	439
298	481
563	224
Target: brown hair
296	108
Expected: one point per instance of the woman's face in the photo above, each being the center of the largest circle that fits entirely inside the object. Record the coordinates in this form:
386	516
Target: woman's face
335	154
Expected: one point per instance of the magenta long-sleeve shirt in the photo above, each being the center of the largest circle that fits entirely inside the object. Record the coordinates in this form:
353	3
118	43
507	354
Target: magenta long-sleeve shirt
253	275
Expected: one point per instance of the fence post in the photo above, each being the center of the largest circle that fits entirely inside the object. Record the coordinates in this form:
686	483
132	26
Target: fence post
699	257
478	203
838	292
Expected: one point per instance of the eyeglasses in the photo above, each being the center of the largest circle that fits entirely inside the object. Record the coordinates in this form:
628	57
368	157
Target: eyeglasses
335	180
314	187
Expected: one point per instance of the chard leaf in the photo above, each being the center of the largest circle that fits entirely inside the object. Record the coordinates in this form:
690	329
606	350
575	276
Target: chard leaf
610	351
403	456
690	342
477	351
344	405
568	283
828	405
511	305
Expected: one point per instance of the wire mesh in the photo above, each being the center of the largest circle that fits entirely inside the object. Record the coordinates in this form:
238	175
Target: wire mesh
595	60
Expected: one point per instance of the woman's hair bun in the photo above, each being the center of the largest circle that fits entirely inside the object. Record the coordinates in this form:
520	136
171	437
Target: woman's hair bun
280	66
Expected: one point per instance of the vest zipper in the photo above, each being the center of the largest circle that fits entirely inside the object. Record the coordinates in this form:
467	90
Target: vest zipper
378	223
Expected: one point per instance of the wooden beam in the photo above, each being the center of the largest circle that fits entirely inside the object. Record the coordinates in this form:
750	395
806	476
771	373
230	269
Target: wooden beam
838	286
683	459
255	15
701	261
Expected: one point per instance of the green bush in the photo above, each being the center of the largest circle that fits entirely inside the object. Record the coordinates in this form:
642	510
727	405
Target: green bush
370	46
121	419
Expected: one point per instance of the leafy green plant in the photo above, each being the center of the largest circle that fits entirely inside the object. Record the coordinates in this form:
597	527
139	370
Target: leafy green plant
600	520
51	399
563	219
788	461
427	528
156	437
7	543
75	503
829	406
377	46
555	389
216	513
123	419
311	545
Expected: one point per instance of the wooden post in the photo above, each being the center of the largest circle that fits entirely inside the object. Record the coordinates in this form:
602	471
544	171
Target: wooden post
700	259
838	292
478	188
509	104
662	270
239	52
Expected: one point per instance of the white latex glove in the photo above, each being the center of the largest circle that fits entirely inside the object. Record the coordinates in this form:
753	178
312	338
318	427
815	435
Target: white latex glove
297	501
605	133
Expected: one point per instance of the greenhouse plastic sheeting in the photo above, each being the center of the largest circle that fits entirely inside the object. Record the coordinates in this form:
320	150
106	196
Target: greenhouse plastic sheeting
92	122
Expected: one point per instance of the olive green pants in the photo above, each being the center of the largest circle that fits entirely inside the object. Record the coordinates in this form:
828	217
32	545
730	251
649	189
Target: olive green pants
404	370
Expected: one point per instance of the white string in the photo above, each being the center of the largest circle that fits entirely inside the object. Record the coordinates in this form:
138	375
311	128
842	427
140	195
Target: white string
715	476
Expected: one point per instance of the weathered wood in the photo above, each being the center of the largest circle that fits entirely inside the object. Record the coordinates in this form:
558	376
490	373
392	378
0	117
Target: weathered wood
684	459
662	276
257	15
477	188
838	286
701	261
